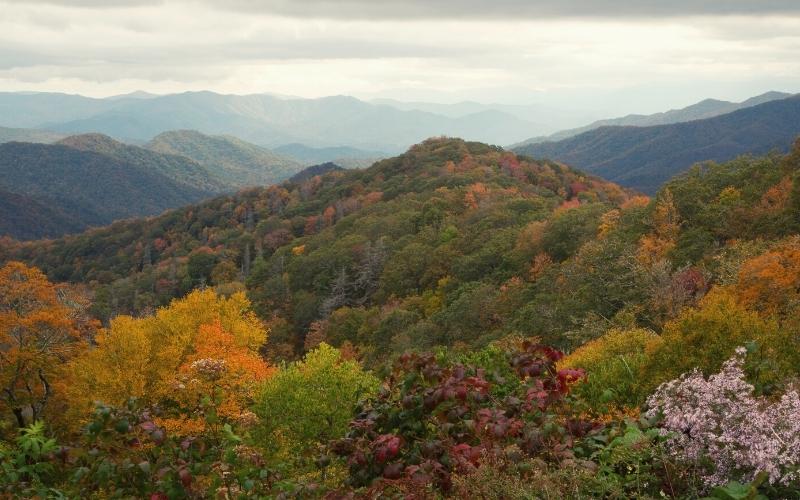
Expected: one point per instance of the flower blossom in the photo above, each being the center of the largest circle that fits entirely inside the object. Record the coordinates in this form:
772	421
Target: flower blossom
719	418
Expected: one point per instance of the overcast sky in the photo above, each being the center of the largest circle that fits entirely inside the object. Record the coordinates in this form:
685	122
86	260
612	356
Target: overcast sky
627	55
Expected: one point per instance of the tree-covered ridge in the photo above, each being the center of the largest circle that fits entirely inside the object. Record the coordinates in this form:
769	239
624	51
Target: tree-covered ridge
88	187
452	243
464	198
180	169
235	162
91	179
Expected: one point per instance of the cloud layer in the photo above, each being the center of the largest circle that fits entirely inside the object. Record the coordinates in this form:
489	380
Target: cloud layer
477	9
582	52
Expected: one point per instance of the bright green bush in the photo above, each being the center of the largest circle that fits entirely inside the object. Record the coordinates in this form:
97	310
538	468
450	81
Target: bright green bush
310	401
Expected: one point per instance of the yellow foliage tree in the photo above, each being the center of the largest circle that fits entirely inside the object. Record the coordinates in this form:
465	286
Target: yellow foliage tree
608	221
706	336
143	357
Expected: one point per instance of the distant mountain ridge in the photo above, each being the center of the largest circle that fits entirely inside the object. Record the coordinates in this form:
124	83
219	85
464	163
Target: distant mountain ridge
645	157
236	162
707	108
343	156
262	119
179	168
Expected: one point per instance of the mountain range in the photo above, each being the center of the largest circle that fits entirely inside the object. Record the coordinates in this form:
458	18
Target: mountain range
706	108
262	119
90	179
48	190
645	157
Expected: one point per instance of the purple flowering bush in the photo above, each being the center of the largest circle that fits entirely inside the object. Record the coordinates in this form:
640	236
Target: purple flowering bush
720	421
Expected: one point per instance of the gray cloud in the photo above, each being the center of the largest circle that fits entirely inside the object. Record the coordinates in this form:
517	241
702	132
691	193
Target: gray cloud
513	9
468	9
433	49
14	55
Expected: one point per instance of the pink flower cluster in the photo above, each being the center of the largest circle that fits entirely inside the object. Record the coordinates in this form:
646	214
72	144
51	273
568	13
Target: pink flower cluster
210	368
720	419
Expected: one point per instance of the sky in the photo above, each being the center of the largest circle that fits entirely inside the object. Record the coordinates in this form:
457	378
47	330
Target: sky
613	56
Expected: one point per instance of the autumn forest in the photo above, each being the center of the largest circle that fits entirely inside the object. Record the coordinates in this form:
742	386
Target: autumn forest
457	321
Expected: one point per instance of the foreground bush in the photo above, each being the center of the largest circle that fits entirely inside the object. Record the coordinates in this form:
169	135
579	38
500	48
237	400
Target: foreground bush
435	418
613	364
310	402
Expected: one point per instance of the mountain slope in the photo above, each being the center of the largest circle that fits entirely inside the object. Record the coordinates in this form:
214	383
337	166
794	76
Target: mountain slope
77	187
236	162
314	170
27	218
28	135
446	211
645	157
180	169
707	108
451	244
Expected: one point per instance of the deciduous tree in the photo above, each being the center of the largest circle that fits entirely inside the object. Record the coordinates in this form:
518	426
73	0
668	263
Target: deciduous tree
38	334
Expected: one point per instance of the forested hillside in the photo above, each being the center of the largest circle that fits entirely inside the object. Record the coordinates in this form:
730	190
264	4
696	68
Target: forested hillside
235	162
91	179
457	321
466	200
179	168
80	183
645	157
27	218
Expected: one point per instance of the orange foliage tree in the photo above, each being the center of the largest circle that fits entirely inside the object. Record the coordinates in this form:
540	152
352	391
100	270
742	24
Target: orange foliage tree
216	381
666	226
475	193
38	334
770	282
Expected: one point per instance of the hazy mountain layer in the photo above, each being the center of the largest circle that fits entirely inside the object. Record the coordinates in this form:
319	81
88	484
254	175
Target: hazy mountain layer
645	157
